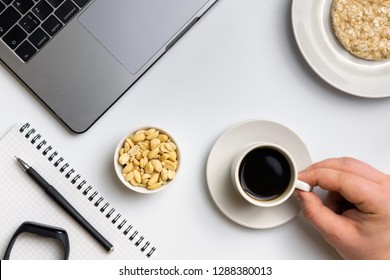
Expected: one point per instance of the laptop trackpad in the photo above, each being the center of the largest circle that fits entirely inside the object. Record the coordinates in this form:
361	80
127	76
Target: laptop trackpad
134	30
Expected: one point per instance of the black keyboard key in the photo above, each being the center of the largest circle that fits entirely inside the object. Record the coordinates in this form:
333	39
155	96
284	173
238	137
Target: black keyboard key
52	25
23	5
25	51
66	11
29	22
39	38
81	3
7	2
14	37
55	3
7	19
42	9
2	7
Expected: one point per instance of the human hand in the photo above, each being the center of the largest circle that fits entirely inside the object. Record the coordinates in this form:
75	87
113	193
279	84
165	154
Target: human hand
356	218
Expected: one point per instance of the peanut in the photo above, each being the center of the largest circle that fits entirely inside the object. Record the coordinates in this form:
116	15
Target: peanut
149	159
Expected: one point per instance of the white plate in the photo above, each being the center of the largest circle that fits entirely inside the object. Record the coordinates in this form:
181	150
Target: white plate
312	25
221	188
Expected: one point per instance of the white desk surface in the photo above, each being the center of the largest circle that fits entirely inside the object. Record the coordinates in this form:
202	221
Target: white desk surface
239	62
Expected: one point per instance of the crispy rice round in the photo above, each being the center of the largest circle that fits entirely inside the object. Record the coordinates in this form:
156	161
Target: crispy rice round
363	27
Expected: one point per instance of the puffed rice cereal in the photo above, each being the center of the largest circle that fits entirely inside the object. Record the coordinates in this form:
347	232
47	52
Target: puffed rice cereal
363	27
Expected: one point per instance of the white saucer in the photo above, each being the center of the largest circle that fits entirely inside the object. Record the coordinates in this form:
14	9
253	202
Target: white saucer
312	25
221	188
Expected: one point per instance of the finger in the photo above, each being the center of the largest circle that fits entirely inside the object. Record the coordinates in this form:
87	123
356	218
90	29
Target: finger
337	203
332	226
359	191
353	166
333	202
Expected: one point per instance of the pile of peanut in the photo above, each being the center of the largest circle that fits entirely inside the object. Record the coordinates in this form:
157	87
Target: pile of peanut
149	159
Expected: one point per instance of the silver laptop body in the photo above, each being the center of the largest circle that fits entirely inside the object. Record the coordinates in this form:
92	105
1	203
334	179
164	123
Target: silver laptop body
80	56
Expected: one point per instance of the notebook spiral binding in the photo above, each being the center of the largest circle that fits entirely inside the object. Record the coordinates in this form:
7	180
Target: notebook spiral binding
93	197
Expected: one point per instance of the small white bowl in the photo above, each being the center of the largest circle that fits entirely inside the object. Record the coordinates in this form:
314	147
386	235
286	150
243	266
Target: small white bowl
119	167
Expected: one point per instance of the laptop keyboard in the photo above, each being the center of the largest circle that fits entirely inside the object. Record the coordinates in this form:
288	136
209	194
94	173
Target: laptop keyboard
27	25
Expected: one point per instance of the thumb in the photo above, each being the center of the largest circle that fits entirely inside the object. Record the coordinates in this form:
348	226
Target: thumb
333	227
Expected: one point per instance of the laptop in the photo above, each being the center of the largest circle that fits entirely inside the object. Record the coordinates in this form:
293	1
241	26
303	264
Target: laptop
80	56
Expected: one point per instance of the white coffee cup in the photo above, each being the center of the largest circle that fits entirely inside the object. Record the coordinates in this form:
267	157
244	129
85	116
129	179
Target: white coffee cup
266	175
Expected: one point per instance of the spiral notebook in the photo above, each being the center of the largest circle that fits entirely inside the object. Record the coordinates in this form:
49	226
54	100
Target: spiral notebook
21	200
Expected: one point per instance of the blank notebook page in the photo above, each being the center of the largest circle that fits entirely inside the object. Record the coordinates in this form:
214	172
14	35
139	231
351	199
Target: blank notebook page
21	200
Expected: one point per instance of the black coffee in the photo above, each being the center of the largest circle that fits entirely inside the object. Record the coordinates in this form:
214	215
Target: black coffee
265	173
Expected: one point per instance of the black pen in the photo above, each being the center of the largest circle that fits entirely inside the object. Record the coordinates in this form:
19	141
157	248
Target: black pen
61	201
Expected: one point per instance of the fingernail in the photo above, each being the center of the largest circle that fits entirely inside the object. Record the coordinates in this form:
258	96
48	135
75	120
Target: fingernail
302	171
297	195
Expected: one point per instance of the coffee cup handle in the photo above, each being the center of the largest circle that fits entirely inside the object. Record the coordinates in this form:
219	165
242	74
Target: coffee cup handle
303	186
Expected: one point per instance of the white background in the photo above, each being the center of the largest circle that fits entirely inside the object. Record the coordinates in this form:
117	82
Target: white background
239	62
202	269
